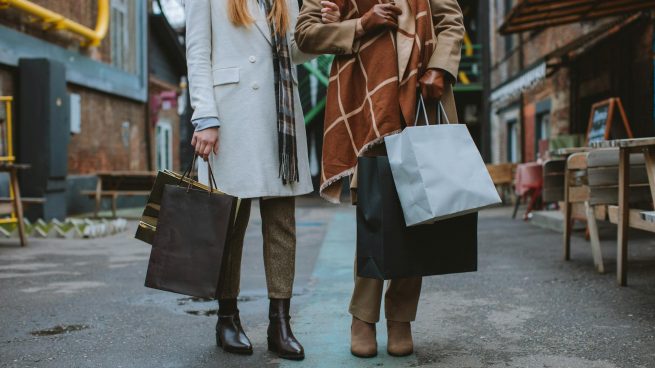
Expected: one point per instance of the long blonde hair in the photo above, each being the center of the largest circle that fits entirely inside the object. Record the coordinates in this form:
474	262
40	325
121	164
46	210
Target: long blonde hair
240	16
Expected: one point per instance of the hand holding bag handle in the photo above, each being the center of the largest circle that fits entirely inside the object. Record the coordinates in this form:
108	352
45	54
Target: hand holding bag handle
421	106
212	183
187	175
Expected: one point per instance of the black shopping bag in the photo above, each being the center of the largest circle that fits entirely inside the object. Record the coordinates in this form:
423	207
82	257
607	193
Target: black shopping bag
148	222
189	245
387	249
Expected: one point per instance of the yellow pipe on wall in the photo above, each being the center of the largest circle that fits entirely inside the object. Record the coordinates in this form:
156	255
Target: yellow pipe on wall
93	36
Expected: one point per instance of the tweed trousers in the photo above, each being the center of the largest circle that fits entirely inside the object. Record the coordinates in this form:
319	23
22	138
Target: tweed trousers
279	231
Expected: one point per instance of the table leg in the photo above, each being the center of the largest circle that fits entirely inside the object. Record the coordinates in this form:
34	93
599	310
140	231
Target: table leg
114	198
624	217
650	167
516	206
18	206
567	218
98	197
592	225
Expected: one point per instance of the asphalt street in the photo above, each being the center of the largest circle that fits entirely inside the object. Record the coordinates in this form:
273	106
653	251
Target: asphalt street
82	303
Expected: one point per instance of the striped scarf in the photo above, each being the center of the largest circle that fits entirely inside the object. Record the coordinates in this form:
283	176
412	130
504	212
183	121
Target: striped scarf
286	117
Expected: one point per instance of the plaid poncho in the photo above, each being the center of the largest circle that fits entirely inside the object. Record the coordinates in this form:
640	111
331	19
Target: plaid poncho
371	91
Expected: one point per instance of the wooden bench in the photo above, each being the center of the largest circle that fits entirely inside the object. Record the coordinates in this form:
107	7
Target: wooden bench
116	184
623	215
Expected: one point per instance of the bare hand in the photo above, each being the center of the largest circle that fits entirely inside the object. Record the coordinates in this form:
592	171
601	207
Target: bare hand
330	12
433	84
381	16
206	141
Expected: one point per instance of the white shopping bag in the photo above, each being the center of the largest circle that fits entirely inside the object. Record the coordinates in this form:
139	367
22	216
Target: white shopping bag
438	171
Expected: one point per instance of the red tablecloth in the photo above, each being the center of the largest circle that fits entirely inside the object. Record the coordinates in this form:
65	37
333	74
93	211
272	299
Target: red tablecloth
529	176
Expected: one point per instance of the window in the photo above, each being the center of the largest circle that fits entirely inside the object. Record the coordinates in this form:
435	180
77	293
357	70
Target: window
542	130
512	141
164	140
123	35
509	40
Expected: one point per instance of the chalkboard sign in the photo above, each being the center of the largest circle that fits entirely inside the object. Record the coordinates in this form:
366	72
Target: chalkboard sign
601	119
599	124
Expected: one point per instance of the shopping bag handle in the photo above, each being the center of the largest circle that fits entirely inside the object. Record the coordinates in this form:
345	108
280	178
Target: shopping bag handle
187	174
421	106
212	183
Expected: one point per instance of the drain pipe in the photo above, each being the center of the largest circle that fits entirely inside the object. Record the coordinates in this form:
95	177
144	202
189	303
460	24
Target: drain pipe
92	37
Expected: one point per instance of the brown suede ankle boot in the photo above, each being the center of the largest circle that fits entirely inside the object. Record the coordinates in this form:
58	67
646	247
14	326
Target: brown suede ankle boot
399	338
362	339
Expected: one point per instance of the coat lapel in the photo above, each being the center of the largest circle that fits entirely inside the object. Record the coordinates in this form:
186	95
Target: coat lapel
260	20
405	36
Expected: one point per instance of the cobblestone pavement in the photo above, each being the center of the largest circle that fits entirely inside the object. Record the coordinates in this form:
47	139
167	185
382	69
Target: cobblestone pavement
81	303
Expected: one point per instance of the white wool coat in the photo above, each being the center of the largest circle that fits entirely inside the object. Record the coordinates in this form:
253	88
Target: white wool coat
231	78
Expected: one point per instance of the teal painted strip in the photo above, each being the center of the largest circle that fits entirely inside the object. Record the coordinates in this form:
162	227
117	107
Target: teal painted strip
322	324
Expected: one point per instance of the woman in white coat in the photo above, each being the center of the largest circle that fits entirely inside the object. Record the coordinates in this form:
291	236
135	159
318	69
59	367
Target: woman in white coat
243	87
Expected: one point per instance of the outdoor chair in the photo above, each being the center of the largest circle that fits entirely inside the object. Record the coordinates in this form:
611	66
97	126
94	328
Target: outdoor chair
553	191
502	176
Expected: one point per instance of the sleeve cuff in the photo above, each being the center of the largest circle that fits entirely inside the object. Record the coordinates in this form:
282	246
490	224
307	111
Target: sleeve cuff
205	123
446	57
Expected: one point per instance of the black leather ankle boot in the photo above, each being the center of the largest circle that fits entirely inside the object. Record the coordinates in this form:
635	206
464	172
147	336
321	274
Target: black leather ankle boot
229	333
280	337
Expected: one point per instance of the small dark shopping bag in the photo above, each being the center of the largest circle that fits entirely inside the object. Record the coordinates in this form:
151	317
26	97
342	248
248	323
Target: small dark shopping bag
189	244
148	222
388	249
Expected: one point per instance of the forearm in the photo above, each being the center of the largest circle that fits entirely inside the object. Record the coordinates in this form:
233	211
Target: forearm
297	56
312	36
449	29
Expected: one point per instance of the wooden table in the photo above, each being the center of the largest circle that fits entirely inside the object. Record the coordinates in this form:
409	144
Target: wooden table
565	152
626	147
113	184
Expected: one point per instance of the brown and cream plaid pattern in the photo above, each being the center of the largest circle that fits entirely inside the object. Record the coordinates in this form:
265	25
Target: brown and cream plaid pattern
373	91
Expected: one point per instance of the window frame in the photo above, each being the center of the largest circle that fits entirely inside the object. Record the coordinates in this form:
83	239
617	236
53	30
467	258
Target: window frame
164	126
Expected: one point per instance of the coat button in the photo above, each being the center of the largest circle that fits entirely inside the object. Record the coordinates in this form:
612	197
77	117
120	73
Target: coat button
255	86
252	59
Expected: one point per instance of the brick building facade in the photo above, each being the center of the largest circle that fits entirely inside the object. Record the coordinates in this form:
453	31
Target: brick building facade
119	94
544	81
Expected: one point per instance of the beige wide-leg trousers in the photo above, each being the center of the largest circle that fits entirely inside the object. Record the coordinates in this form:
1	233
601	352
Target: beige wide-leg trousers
400	299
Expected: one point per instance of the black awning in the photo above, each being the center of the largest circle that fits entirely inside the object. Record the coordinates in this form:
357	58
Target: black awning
530	15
